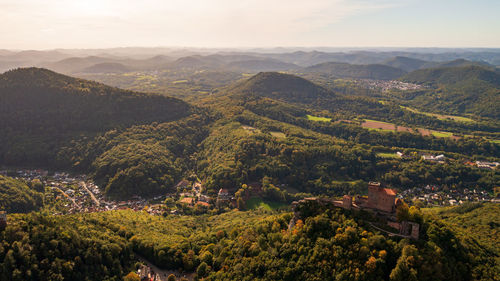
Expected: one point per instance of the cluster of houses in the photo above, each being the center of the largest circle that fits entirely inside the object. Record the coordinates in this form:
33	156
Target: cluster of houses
82	195
191	194
484	164
77	194
433	195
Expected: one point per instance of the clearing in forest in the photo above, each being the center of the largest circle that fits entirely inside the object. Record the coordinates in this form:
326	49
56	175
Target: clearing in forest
317	118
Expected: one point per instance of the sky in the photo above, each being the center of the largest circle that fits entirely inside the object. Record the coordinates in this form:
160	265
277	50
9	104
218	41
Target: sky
48	24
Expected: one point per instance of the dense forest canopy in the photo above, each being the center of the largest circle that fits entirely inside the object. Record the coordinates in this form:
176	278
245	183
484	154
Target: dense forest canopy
459	90
329	245
41	111
18	197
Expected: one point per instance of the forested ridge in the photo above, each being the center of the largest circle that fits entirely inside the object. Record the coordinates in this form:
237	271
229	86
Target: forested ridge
326	245
459	90
42	111
371	71
16	196
140	160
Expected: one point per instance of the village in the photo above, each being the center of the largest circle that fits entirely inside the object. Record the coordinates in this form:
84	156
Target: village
434	196
67	194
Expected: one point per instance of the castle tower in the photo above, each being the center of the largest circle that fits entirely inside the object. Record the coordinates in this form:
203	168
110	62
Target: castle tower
379	198
347	202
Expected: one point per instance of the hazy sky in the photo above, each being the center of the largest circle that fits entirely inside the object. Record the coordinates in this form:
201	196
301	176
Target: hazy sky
44	24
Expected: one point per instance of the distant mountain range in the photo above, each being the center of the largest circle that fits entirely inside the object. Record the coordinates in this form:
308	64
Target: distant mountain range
77	61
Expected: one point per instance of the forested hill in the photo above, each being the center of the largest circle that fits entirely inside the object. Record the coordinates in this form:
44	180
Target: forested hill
39	99
459	90
357	71
17	197
41	111
454	75
281	86
405	63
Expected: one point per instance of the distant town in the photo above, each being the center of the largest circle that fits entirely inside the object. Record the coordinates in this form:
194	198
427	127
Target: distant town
388	85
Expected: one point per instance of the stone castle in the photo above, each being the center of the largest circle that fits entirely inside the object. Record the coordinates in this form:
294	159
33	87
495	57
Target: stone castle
380	201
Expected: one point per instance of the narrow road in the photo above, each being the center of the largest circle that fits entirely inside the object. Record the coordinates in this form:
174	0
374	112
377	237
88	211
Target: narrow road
82	183
67	196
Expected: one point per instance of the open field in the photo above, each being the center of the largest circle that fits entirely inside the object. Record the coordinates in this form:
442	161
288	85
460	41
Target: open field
278	135
439	116
388	155
256	202
317	118
442	134
379	125
404	129
390	127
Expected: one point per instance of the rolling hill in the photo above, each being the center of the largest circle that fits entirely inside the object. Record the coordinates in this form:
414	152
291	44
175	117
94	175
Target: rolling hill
42	110
282	87
244	63
454	75
369	71
106	64
459	63
261	65
17	197
75	64
106	67
405	63
458	90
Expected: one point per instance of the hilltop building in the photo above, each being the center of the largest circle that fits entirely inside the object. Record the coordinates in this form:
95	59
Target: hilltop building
379	199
